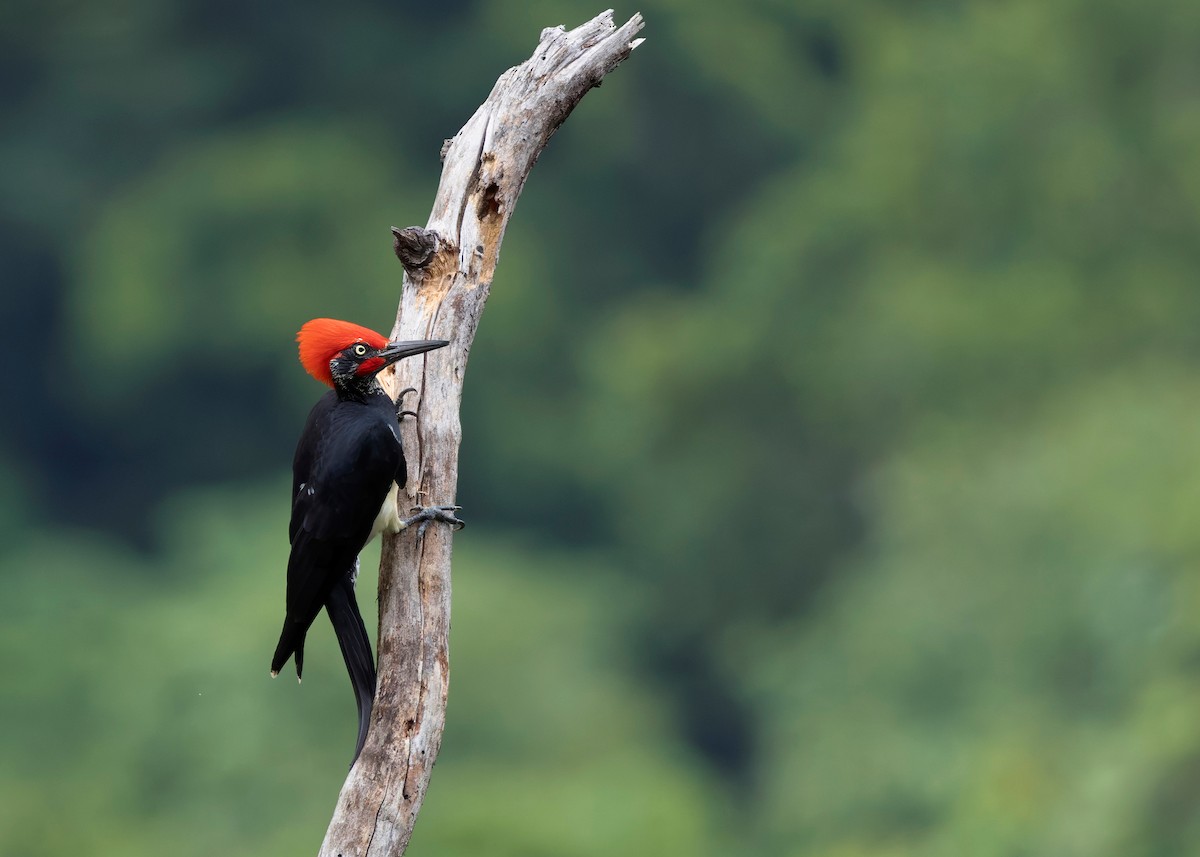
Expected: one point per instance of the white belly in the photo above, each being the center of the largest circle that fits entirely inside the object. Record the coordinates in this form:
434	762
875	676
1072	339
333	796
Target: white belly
388	519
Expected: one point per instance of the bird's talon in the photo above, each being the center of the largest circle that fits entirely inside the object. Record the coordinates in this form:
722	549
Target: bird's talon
400	401
427	514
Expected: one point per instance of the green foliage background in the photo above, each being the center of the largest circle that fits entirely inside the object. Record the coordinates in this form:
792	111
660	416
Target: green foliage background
830	437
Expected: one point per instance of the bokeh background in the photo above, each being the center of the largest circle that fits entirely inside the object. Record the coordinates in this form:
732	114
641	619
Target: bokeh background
831	436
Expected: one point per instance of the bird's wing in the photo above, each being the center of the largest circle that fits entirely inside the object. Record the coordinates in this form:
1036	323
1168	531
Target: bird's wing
348	480
357	455
307	447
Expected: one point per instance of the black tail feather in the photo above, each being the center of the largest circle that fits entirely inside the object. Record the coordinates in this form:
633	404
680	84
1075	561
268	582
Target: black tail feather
356	651
291	642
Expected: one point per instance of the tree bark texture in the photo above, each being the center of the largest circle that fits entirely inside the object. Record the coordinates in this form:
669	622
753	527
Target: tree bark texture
448	273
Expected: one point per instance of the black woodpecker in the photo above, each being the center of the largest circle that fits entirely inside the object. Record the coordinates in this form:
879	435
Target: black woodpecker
346	475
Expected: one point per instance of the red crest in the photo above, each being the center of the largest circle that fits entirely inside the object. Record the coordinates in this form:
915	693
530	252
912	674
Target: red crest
322	338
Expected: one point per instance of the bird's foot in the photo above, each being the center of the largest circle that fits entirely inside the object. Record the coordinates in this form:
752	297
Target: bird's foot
400	401
426	514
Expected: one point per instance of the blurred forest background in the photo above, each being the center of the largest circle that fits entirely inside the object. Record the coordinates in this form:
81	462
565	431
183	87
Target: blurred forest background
831	449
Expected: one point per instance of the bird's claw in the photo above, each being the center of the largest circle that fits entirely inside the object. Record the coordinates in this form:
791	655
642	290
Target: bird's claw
400	401
426	514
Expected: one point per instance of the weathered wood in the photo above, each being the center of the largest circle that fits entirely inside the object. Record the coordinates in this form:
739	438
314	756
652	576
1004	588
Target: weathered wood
448	274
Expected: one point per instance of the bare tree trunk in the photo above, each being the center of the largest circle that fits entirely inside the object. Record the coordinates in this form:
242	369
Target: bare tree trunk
448	273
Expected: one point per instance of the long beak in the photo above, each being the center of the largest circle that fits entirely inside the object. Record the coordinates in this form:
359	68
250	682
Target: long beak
399	350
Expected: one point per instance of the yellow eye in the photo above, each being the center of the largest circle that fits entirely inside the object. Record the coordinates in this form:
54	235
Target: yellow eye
360	350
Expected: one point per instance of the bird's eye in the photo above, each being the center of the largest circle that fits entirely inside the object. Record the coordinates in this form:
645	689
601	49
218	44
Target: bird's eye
360	350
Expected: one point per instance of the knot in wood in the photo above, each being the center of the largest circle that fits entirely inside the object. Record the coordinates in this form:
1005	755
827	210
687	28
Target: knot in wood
415	248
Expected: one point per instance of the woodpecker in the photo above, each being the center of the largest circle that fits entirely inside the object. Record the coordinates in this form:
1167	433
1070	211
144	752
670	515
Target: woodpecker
347	473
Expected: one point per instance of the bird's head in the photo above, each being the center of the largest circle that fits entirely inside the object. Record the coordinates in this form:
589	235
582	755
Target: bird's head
346	356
